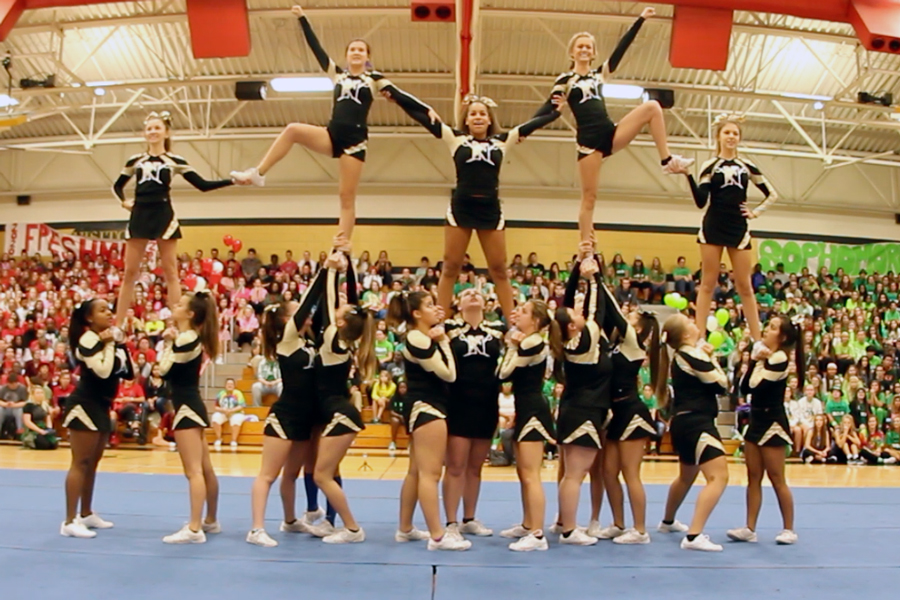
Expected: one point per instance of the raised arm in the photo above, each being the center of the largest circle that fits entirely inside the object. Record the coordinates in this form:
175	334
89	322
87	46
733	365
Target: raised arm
572	285
322	57
615	58
434	357
560	88
613	318
525	129
310	298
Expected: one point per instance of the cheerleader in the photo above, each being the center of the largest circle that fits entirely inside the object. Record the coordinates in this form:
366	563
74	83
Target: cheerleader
102	364
472	413
697	380
180	363
769	431
429	367
289	425
478	152
584	406
724	182
632	423
343	326
346	135
597	136
525	363
152	216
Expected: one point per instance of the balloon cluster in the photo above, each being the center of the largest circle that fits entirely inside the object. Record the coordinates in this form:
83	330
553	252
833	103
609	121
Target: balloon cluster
714	324
676	301
233	243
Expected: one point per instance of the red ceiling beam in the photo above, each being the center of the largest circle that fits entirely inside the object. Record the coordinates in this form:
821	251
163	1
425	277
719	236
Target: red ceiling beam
699	26
219	28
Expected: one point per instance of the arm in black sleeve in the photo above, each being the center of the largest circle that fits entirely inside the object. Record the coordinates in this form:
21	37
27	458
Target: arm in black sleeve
415	108
352	289
119	186
559	89
616	57
572	286
700	192
613	319
525	129
321	56
196	180
310	298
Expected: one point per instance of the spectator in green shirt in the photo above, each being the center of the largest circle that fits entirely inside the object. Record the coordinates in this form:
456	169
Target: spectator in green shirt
657	280
836	406
384	349
621	268
648	398
892	314
684	279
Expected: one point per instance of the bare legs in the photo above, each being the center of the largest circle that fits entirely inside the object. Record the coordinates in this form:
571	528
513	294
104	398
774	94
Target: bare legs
578	460
493	243
716	473
529	458
626	457
331	453
462	477
431	447
202	481
709	263
87	450
649	113
742	261
589	170
767	460
456	242
276	454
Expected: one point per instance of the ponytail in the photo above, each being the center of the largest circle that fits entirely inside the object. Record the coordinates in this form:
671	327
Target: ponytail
401	307
671	337
359	324
557	351
650	333
792	334
662	378
272	329
78	324
205	321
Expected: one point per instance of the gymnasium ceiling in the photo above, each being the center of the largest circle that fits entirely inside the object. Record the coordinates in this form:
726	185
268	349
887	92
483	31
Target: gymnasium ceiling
142	50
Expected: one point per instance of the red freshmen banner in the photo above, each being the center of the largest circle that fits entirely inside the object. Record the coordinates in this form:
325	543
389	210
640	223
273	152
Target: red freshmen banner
34	238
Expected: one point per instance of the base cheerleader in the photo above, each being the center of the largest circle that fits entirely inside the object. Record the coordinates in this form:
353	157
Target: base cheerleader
697	380
769	432
637	339
472	411
101	365
197	330
289	425
430	366
525	363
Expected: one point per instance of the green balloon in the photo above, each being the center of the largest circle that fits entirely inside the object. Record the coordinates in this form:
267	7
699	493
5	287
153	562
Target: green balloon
682	303
722	317
716	339
671	300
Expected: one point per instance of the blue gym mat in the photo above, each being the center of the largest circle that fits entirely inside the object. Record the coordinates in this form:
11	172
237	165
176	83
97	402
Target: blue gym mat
848	542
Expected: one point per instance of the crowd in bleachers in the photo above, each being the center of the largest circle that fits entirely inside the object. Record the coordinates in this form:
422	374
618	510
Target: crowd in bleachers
851	324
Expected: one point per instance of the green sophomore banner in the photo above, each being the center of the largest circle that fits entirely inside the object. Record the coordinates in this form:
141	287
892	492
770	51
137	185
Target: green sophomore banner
814	255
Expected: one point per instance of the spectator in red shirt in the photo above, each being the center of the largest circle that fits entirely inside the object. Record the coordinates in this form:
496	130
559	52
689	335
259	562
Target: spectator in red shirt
63	389
128	401
289	267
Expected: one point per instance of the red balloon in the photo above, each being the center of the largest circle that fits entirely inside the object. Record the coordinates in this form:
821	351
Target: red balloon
190	282
228	240
236	245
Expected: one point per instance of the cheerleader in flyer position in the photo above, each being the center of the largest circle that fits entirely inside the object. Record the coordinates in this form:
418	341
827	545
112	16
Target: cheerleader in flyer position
598	136
346	135
478	152
724	183
101	365
152	216
769	432
196	330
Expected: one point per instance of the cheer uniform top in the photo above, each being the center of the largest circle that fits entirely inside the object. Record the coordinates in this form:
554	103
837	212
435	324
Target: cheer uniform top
473	411
525	364
334	362
294	414
153	217
631	419
429	368
353	97
765	382
101	366
475	203
584	94
584	405
697	380
723	184
179	364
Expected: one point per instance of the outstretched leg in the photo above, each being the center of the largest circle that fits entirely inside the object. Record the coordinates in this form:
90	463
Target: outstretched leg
312	137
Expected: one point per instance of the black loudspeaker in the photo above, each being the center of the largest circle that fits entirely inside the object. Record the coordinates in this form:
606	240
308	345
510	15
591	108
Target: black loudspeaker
666	98
897	218
250	90
23	200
